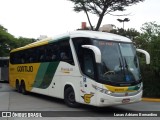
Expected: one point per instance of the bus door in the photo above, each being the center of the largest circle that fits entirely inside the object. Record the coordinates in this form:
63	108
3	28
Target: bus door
89	75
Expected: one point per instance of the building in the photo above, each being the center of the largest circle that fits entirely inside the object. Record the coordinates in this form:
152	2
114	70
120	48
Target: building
107	27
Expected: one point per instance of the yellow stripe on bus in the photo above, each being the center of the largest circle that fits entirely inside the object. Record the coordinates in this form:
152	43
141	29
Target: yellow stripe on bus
118	89
35	44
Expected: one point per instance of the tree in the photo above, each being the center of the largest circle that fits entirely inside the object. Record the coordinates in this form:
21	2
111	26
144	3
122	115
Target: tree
130	33
150	41
21	41
150	30
9	42
101	8
151	35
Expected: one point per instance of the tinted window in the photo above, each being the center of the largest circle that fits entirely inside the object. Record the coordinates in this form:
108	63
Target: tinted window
85	56
65	53
58	51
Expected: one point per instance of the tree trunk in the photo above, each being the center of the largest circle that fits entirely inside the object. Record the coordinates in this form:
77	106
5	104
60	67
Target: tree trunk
100	20
89	20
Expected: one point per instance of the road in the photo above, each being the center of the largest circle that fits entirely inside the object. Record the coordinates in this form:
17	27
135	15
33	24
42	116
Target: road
10	100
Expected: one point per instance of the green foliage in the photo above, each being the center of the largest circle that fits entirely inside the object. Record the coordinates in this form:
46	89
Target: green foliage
130	33
21	41
151	37
151	29
9	42
101	7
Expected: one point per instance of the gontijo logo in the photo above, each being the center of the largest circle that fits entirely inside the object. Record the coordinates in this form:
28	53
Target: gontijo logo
87	97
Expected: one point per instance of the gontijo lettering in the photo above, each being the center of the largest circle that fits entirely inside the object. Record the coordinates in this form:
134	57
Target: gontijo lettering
25	69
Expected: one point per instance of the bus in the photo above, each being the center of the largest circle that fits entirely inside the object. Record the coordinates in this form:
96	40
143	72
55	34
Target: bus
4	64
81	67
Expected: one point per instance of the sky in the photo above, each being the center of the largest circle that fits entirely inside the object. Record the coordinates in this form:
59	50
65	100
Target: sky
32	18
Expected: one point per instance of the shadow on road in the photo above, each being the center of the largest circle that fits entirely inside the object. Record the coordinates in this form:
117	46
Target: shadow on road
83	107
82	111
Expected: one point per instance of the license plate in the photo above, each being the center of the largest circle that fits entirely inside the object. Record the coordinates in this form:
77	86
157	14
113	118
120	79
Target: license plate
126	100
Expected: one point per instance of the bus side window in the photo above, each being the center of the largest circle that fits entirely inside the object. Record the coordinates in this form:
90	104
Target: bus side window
42	53
65	52
54	50
63	56
88	63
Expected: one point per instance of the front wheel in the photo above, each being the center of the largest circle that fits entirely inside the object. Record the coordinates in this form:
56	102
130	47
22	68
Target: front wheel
69	97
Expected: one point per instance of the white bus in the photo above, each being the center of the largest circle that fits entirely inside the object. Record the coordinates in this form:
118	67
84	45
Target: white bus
88	67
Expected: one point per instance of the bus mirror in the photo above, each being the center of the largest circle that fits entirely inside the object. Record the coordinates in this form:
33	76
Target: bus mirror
146	54
96	51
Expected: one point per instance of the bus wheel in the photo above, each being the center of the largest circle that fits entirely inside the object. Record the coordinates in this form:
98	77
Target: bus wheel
17	86
23	88
69	97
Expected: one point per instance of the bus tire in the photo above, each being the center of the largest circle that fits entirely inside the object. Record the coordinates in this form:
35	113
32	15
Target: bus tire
69	97
17	86
23	88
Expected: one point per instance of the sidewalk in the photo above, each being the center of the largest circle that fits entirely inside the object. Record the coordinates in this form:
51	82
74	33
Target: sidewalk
151	99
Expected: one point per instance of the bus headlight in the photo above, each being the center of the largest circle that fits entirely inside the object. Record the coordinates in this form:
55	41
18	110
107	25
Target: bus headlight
105	91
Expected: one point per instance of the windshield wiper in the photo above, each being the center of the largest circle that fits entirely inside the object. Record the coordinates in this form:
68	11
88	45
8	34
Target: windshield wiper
120	64
126	65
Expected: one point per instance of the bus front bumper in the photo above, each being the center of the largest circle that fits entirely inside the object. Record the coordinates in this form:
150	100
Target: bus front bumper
107	100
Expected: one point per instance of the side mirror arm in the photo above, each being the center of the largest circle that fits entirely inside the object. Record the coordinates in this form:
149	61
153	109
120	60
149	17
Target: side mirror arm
146	54
96	51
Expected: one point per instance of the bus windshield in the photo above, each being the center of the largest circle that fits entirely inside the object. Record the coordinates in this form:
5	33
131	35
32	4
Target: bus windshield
119	63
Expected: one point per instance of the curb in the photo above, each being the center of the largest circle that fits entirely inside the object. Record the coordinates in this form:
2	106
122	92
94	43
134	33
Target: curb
151	99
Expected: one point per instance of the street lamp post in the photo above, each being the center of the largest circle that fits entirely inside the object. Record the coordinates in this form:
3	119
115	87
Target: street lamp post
124	20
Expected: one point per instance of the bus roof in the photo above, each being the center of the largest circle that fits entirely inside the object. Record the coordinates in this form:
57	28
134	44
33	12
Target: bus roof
99	35
75	34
